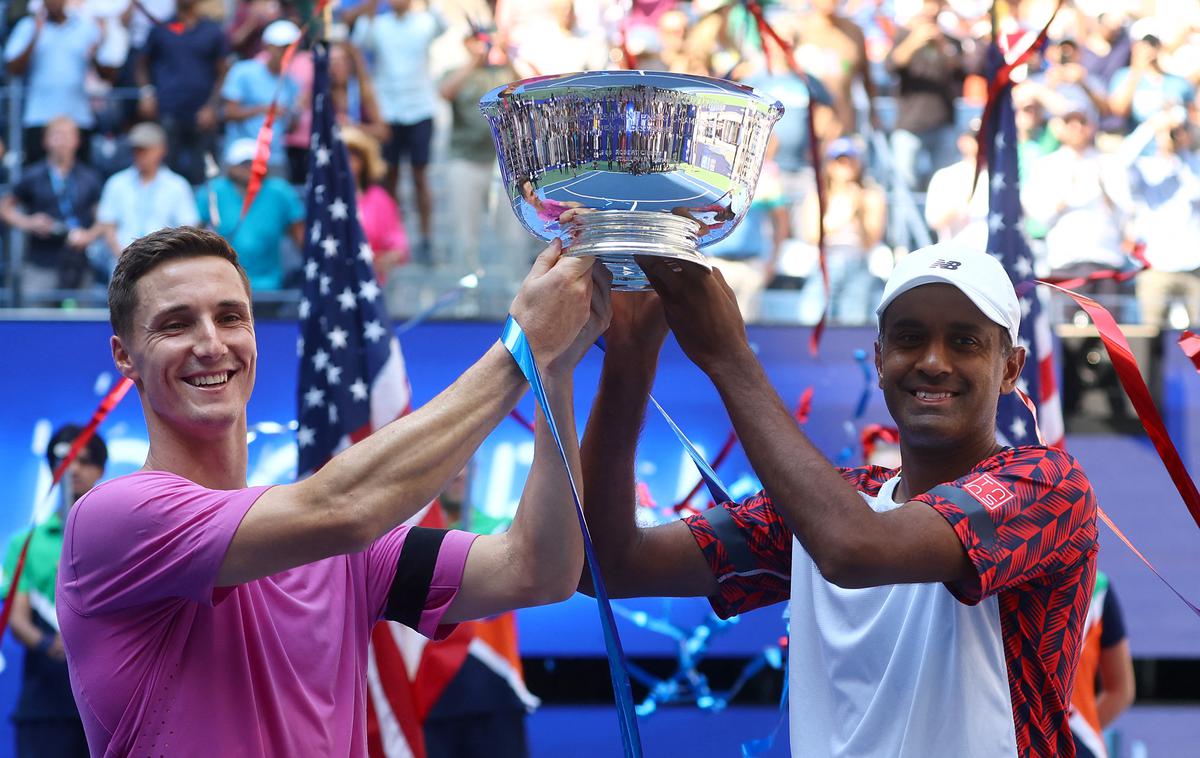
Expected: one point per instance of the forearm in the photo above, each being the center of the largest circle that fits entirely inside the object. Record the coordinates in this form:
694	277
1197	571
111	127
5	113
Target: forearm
21	622
453	82
819	507
609	454
1122	98
544	540
389	476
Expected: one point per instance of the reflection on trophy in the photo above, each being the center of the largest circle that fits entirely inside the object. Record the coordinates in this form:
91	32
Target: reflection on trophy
625	163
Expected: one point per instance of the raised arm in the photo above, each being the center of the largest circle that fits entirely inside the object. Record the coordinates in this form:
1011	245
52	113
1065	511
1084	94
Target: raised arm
659	561
370	488
538	559
852	545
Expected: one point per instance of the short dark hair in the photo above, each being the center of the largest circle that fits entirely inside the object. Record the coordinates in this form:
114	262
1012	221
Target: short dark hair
145	253
95	449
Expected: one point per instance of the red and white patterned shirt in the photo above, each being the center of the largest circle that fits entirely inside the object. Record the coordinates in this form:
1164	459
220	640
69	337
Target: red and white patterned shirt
923	669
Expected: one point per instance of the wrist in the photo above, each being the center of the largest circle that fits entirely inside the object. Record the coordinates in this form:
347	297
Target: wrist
45	643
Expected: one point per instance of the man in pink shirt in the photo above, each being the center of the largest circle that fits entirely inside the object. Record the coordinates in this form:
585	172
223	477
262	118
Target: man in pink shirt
203	617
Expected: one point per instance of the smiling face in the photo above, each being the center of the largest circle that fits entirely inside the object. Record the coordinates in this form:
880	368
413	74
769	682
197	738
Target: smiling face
191	348
942	367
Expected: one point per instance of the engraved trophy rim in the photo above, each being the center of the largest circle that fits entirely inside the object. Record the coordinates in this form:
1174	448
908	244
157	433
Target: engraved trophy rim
624	163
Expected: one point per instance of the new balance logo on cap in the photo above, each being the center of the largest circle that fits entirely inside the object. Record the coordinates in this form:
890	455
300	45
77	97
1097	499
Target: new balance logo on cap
949	265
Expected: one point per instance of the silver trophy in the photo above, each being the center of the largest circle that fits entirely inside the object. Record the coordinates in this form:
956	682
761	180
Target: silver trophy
625	163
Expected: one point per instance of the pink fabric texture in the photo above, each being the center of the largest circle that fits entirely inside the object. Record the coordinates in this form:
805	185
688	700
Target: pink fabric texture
164	663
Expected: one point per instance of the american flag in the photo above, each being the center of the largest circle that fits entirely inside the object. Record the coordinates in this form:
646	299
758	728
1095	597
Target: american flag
1008	243
352	382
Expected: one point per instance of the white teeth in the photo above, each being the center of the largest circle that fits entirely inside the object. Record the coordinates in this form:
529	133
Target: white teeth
207	381
932	395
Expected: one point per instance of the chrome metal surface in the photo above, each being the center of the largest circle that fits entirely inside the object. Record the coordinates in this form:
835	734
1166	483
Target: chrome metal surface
624	163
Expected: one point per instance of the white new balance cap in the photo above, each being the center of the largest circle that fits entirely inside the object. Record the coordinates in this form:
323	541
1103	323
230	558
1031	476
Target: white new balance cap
976	274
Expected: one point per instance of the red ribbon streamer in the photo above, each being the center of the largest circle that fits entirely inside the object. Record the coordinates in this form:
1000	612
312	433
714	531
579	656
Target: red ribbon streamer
1138	253
1135	387
106	405
1190	345
804	406
1121	536
520	419
1003	79
262	149
765	32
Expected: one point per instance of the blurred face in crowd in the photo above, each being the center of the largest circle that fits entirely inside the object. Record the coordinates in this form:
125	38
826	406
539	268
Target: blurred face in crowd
845	169
148	159
61	140
1067	52
185	6
275	57
929	11
401	6
55	8
341	67
1028	111
240	173
83	473
357	166
1145	52
826	7
1075	130
968	145
672	30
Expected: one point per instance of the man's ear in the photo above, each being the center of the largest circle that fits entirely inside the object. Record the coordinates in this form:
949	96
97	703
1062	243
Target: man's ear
1013	363
878	362
122	359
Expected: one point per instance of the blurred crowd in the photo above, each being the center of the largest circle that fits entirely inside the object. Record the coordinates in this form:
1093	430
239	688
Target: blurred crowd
128	115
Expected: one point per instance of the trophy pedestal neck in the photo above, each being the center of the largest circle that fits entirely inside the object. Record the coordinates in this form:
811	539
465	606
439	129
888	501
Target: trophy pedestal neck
615	237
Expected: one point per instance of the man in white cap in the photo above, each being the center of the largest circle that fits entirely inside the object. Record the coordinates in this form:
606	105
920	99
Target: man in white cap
251	85
277	212
145	197
936	608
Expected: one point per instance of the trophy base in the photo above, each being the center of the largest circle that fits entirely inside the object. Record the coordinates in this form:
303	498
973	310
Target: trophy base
615	237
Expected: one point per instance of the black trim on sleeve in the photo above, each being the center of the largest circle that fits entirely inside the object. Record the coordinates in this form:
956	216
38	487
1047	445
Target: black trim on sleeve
414	572
978	517
730	535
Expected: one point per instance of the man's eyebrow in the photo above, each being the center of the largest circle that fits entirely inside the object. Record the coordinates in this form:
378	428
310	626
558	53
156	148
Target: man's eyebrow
183	308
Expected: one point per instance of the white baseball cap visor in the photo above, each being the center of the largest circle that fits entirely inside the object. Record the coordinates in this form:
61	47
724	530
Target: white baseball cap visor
973	272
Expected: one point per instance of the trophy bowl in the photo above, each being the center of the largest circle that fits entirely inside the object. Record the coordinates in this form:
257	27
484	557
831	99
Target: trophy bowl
625	163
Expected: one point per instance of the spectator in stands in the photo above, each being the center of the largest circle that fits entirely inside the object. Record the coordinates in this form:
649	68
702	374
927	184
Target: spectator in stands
1165	191
145	197
258	237
353	94
1034	139
1078	194
54	50
299	131
251	86
377	209
399	39
1104	682
834	49
749	256
179	74
775	79
54	202
1064	76
479	198
250	22
46	719
952	211
1106	46
1143	89
855	215
929	66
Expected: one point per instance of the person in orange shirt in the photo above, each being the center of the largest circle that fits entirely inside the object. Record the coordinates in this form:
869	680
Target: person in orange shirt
1104	685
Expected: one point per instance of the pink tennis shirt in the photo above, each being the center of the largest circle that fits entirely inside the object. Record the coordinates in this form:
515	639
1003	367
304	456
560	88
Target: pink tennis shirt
163	662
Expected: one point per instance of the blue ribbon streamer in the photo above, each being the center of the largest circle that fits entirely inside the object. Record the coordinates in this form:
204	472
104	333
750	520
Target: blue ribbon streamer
513	338
715	487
